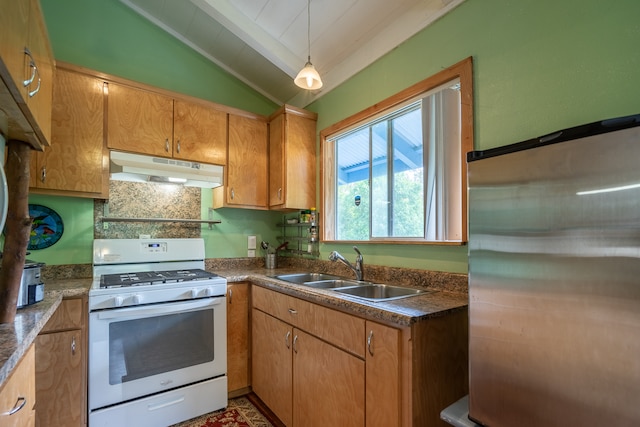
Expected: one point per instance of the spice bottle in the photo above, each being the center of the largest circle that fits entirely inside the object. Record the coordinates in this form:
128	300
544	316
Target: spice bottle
312	215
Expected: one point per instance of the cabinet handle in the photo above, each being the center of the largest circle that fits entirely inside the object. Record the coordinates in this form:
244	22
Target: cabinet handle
230	295
233	194
19	405
369	340
280	193
295	341
36	90
292	311
73	346
286	339
178	147
43	174
166	145
32	65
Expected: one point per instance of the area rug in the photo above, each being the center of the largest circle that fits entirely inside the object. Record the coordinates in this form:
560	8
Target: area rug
240	412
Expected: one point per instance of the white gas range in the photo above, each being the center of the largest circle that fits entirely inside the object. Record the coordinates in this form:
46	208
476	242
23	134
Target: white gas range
157	333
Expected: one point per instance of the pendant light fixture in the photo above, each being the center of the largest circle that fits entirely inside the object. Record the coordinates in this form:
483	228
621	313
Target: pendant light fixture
308	77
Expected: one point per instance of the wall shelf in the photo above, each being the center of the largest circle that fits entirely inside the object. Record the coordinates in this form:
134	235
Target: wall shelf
299	237
180	220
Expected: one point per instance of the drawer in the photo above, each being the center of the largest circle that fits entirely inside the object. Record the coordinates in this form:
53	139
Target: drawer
69	315
20	385
340	329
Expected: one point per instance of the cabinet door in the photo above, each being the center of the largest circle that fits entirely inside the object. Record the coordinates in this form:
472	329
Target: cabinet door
238	336
21	384
383	376
200	133
139	121
13	39
292	161
246	184
60	379
38	42
75	160
328	384
276	162
271	361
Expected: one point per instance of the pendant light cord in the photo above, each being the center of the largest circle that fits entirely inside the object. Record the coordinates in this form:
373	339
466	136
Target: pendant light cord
309	30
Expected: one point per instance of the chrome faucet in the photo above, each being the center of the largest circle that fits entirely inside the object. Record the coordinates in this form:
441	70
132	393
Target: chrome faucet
358	269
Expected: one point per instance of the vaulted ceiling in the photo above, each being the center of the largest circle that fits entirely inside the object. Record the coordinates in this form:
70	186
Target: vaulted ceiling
264	42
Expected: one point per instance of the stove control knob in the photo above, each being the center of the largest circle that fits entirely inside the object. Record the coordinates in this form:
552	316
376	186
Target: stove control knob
194	293
136	299
117	301
209	292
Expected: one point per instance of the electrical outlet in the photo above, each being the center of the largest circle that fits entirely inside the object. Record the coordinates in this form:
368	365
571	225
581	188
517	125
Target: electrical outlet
251	242
251	253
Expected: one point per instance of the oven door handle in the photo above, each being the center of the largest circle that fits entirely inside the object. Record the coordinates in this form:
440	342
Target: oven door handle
160	308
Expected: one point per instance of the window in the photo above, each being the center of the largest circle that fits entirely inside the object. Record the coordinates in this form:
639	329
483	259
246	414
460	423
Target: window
396	172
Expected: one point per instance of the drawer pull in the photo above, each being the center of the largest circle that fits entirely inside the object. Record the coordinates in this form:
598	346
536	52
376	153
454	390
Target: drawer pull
286	339
292	311
369	340
19	405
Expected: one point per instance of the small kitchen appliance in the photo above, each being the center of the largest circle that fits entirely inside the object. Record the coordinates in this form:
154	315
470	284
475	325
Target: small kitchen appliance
31	286
157	333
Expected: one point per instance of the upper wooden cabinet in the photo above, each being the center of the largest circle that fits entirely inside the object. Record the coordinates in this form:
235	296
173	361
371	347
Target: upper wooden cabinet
77	161
139	121
151	123
245	184
26	71
292	159
199	133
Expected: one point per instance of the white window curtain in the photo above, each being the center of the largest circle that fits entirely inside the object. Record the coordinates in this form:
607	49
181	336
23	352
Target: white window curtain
441	136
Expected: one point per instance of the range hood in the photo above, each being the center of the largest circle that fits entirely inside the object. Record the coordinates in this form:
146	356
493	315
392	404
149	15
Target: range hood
140	168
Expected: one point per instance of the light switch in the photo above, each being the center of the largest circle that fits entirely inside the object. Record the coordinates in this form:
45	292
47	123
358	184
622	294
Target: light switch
251	242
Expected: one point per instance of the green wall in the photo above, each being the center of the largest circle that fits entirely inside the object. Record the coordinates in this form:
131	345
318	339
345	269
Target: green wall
539	66
108	36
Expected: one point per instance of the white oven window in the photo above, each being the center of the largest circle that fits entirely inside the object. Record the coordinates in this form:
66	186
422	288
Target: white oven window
149	346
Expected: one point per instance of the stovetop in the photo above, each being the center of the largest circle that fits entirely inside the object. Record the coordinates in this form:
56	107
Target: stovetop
148	278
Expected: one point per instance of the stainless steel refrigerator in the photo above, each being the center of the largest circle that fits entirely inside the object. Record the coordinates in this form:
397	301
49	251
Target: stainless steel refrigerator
554	279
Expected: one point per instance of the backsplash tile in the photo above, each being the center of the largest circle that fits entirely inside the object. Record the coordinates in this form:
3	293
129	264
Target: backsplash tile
142	200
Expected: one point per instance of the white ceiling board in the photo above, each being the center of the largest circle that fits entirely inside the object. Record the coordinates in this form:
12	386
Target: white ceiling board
264	42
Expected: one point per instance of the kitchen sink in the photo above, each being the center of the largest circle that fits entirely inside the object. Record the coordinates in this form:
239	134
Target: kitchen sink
360	289
335	283
301	278
379	292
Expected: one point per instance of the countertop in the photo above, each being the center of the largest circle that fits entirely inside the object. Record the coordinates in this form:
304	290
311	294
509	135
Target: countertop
16	337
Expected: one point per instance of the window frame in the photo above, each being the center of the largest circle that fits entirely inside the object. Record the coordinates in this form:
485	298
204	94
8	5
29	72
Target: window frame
463	71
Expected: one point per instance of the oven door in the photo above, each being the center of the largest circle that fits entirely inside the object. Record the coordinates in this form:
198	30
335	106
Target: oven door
138	351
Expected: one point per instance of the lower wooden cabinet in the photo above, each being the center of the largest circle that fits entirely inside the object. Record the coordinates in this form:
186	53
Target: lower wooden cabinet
307	378
315	366
383	375
18	394
238	333
271	364
61	367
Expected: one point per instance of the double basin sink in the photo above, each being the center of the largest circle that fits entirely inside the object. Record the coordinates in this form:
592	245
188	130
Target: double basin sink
360	289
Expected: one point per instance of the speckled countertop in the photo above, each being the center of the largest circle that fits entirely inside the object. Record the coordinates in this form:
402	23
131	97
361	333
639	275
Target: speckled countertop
16	337
444	296
401	312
